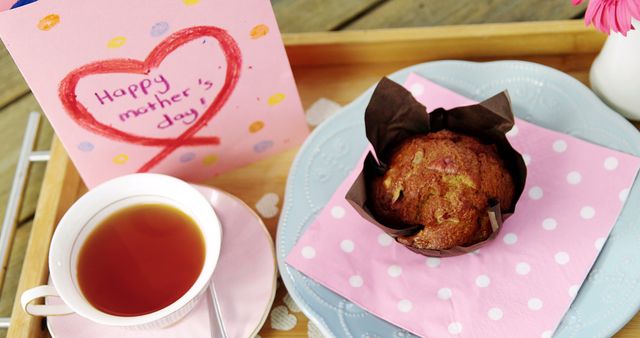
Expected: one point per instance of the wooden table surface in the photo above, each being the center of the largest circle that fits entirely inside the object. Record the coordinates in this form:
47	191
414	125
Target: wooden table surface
293	16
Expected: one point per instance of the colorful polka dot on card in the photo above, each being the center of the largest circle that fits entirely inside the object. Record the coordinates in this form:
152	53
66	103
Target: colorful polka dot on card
187	157
259	31
190	2
275	99
117	42
48	22
85	146
120	159
210	159
263	146
256	126
159	28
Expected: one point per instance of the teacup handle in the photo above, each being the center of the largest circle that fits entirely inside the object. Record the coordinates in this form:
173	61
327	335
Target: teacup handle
42	310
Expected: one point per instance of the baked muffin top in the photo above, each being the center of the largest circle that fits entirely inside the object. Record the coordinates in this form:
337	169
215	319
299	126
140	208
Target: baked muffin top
444	181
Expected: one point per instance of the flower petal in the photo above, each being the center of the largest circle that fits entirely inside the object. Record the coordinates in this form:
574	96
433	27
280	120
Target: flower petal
589	15
623	18
634	8
602	20
594	15
610	13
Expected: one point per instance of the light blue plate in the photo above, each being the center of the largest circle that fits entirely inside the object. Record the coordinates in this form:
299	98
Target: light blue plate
609	297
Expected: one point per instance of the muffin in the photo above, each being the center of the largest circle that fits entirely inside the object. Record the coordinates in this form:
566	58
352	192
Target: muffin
444	182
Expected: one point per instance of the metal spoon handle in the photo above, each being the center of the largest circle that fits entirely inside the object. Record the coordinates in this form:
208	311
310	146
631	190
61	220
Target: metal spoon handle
217	323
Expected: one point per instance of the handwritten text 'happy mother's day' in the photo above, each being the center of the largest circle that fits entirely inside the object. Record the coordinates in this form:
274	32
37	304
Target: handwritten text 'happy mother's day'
159	96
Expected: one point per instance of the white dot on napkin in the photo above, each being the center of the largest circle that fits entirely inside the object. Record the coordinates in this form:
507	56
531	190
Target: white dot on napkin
384	239
337	212
549	224
347	245
308	252
495	313
534	304
611	163
527	159
523	268
561	258
455	328
510	238
587	212
356	281
624	193
394	271
535	193
433	262
574	177
573	290
599	243
405	305
546	334
559	146
483	281
444	293
513	132
416	89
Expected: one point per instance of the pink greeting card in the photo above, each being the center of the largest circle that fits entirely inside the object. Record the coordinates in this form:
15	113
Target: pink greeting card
6	4
519	285
189	88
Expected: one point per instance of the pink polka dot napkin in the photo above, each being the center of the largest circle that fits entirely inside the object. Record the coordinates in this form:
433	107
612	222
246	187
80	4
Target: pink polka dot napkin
519	285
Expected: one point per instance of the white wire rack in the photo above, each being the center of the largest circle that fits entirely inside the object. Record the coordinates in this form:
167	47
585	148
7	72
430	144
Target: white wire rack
27	157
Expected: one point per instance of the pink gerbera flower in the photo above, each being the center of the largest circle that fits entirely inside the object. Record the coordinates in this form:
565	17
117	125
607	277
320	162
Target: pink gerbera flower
611	15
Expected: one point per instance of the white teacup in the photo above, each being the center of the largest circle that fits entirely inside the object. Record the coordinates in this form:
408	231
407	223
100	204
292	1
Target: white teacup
88	212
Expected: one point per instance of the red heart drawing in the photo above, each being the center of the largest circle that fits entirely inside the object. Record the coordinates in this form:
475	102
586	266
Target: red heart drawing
77	111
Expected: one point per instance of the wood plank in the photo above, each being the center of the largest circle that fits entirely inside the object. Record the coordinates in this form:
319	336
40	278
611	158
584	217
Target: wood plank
420	13
317	15
341	83
631	330
13	121
12	85
12	275
61	184
445	42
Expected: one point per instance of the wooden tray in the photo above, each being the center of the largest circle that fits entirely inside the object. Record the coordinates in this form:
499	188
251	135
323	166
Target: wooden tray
338	66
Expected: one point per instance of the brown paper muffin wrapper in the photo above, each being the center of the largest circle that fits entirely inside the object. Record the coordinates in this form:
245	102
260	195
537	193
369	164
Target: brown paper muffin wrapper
393	115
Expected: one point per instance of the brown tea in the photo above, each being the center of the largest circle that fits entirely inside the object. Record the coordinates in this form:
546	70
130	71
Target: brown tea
140	259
